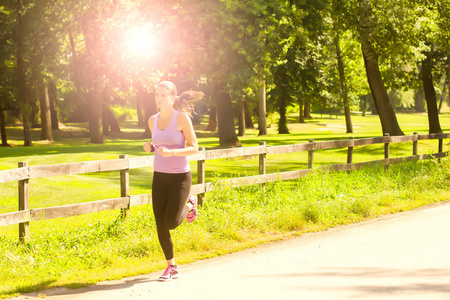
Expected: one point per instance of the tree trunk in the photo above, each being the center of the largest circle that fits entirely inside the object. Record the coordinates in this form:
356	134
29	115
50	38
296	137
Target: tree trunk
363	104
46	119
262	124
448	76
22	88
95	97
430	96
248	117
150	109
227	131
282	122
212	124
307	110
3	127
419	103
109	121
241	117
383	105
442	96
53	99
344	91
34	118
301	115
140	104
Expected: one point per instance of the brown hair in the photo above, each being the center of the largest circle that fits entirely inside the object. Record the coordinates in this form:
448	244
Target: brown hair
185	101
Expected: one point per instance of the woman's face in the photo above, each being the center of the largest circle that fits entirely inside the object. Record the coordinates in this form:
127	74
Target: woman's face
163	97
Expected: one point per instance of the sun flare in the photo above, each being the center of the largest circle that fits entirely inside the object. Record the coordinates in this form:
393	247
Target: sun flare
141	41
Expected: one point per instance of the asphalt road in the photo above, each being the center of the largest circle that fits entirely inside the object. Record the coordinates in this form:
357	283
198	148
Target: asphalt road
404	256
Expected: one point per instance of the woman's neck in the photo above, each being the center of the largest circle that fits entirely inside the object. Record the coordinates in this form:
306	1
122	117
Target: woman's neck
166	112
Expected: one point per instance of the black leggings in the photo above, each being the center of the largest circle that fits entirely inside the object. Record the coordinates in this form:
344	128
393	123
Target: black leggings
170	193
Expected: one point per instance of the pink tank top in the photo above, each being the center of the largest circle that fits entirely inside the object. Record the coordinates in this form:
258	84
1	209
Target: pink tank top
170	138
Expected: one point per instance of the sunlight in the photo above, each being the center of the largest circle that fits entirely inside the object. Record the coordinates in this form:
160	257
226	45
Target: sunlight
141	41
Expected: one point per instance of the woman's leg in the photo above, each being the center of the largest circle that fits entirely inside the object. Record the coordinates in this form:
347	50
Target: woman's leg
177	210
170	193
160	193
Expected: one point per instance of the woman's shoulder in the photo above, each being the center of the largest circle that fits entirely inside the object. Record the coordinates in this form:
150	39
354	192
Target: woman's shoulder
153	116
151	120
183	116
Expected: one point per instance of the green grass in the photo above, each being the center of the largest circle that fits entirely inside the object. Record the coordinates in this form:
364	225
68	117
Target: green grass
86	249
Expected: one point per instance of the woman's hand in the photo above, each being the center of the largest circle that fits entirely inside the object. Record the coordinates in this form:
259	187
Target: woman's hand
165	152
148	147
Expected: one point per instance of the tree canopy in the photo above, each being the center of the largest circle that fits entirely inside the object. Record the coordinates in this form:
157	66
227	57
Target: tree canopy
322	55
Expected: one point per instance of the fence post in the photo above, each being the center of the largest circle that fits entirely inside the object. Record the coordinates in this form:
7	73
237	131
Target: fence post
350	151
441	148
124	187
416	139
24	228
386	151
311	156
262	160
201	174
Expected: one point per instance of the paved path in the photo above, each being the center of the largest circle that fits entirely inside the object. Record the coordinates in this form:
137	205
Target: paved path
405	256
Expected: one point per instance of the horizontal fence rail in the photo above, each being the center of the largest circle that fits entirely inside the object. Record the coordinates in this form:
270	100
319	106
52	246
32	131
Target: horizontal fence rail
24	173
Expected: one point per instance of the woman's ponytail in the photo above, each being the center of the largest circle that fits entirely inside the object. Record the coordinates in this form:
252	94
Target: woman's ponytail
185	101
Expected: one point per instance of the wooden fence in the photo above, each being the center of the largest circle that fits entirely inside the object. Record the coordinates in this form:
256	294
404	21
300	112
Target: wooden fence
24	173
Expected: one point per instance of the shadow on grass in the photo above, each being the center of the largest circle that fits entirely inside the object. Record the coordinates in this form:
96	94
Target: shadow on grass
28	288
74	289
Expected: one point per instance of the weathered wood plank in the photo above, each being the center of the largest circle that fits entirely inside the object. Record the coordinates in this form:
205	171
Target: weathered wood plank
198	188
78	168
13	175
293	174
199	156
333	144
141	162
290	148
260	179
433	136
336	167
233	152
439	155
141	199
16	217
403	139
371	141
241	181
78	209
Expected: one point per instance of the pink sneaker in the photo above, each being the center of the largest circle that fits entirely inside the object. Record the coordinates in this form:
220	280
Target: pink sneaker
192	215
170	273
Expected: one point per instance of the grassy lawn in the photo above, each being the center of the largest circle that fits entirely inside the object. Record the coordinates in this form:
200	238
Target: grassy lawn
86	249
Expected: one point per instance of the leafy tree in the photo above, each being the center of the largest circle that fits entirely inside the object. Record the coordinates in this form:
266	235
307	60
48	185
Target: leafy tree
228	48
338	26
97	32
297	55
443	38
44	21
426	32
7	84
369	36
23	88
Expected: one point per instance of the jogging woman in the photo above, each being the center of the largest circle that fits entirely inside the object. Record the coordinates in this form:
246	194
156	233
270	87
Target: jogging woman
173	139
